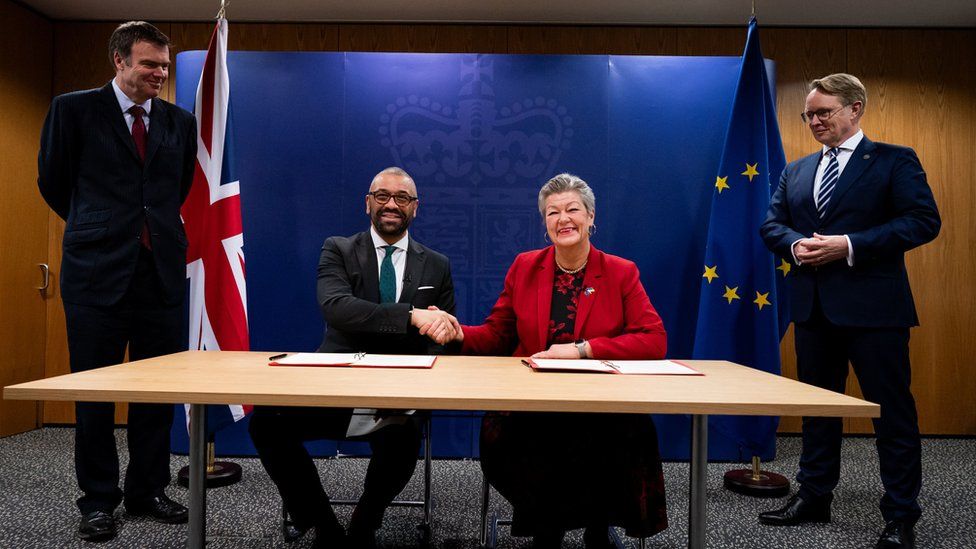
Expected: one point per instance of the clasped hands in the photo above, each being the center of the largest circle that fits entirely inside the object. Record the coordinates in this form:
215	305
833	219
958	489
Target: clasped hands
820	249
438	325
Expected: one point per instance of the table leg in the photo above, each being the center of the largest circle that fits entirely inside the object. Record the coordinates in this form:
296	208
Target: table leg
699	470
196	536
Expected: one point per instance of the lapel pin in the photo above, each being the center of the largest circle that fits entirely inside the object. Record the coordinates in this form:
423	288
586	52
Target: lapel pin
867	156
589	290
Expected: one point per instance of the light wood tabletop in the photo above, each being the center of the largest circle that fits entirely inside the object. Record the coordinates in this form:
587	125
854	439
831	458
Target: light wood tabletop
454	383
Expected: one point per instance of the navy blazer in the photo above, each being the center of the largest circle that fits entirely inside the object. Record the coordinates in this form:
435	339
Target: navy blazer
348	292
883	202
90	174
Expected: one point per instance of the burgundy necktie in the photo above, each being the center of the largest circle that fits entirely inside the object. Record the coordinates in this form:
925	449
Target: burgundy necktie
139	137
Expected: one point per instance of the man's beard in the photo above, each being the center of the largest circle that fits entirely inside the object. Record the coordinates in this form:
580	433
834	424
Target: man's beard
389	227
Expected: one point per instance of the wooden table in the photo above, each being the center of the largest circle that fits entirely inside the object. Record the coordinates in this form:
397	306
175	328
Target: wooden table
454	383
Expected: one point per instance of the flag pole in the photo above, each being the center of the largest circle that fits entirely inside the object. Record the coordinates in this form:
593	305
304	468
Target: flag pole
754	481
219	473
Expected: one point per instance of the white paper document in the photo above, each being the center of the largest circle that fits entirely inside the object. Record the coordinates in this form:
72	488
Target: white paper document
634	367
356	359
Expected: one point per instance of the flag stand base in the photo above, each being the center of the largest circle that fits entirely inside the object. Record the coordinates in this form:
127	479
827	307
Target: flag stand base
757	483
219	473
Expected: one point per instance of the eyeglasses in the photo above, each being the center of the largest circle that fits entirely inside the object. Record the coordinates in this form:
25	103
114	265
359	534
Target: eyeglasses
823	114
401	199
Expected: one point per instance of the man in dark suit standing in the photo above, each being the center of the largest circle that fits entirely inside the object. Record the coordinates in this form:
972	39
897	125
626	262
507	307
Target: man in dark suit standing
374	289
116	163
847	215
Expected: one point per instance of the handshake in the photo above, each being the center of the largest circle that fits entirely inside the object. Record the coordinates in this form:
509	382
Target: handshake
436	324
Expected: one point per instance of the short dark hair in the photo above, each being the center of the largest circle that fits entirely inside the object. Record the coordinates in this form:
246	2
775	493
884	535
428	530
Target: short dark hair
129	33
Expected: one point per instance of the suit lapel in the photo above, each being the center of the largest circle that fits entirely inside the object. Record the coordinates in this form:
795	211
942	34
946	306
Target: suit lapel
861	158
545	271
366	255
806	175
412	271
157	126
115	119
591	289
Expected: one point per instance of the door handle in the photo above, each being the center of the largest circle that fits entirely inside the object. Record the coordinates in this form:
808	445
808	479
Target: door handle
46	274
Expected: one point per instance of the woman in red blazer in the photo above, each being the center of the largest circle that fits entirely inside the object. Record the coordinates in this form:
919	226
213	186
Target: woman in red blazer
570	300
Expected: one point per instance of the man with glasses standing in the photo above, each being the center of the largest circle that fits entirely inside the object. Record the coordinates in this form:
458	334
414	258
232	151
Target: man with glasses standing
374	289
846	215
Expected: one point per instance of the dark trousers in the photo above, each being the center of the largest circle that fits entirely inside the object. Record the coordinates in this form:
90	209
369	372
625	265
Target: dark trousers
279	433
879	357
97	336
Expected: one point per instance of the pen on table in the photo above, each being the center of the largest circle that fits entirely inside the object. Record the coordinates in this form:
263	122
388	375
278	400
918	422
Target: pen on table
526	362
277	357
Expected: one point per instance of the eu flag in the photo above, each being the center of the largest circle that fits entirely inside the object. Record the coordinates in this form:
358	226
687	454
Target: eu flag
741	313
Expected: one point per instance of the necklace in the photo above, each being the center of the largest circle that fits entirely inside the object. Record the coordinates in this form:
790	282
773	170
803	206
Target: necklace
572	271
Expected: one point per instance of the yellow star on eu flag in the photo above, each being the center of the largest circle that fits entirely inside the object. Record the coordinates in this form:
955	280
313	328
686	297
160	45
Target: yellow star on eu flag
730	294
761	300
711	273
751	171
784	266
721	184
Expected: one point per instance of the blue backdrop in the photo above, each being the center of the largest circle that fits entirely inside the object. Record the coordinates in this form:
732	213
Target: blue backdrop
480	134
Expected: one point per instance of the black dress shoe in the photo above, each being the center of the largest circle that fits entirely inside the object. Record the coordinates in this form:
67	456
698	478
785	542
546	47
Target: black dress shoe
160	509
797	511
897	534
290	531
97	526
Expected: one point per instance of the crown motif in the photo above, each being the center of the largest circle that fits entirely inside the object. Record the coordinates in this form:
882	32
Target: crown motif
475	140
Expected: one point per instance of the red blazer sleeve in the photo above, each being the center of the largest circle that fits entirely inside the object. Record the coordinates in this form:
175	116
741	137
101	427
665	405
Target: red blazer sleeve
498	335
642	335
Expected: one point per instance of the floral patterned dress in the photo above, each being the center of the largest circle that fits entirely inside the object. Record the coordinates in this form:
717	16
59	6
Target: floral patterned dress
565	471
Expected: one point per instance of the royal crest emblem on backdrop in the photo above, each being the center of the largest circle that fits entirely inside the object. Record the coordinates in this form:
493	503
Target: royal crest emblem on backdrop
475	140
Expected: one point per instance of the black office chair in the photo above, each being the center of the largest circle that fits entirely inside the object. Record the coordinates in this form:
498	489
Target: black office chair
489	526
292	533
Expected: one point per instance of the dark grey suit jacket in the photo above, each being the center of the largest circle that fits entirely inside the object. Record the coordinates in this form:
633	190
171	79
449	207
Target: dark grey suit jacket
90	174
349	294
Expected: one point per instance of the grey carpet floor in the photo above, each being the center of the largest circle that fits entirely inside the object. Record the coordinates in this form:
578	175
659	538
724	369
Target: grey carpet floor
37	493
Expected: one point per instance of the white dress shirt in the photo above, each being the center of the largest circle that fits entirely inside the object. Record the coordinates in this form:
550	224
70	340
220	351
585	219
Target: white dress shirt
844	152
125	103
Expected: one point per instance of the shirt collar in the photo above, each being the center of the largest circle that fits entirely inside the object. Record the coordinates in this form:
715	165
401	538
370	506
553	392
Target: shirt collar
378	241
125	103
849	145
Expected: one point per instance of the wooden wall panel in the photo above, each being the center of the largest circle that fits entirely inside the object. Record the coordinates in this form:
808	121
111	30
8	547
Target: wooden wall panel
920	84
920	93
642	41
423	38
710	41
25	82
576	40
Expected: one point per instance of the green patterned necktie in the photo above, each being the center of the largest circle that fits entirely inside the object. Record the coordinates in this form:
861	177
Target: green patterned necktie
388	277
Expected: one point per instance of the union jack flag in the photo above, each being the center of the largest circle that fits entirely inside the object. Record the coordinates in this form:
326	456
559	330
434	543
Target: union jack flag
212	219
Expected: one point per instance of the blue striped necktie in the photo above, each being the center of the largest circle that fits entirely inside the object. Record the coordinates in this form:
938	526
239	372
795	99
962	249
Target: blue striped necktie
828	181
388	277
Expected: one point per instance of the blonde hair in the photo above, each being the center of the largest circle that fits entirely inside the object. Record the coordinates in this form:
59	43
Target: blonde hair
847	87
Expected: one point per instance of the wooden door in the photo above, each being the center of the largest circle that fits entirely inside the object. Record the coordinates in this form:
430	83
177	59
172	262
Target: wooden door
25	91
